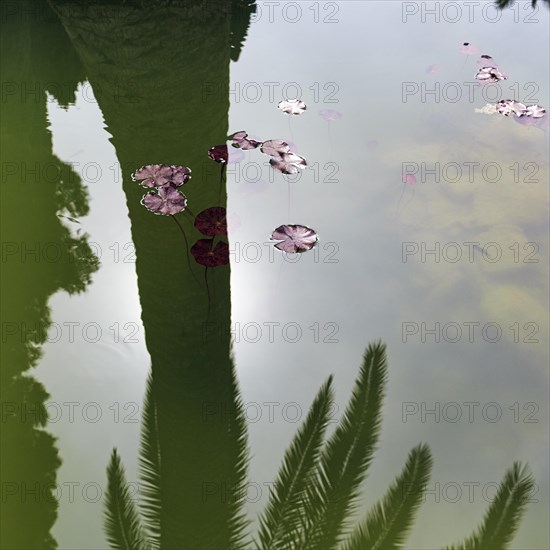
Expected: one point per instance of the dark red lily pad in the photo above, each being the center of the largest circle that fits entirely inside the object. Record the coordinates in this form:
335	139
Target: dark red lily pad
212	221
206	255
219	154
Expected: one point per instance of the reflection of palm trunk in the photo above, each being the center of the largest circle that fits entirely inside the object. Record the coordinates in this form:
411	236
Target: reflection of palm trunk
149	68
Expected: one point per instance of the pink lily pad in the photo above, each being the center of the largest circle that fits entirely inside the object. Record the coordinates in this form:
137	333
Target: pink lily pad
490	74
534	111
161	175
288	163
180	175
294	238
292	107
509	107
241	141
275	148
166	201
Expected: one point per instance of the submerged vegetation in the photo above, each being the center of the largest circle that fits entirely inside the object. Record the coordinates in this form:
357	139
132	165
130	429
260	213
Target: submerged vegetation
318	485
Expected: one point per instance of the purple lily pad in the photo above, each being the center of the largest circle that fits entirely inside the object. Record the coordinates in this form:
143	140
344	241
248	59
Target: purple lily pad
206	255
180	175
288	163
212	221
490	74
153	175
294	238
219	154
241	141
534	111
275	148
162	175
292	107
166	201
509	107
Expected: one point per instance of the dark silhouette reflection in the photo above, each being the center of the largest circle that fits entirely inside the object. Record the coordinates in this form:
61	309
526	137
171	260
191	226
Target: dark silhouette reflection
39	258
160	73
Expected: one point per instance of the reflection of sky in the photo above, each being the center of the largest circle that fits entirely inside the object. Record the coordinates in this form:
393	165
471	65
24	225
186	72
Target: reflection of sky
369	292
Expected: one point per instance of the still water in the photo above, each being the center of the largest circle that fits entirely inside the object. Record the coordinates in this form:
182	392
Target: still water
431	211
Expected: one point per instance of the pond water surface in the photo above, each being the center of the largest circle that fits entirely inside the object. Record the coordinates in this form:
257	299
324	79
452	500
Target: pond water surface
449	270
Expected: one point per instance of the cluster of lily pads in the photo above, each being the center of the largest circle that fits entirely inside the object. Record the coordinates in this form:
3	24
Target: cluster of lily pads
489	73
282	158
211	252
488	70
163	181
165	199
509	107
292	238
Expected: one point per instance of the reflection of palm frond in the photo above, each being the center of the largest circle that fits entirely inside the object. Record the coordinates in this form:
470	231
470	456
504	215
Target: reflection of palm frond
318	483
387	524
149	467
502	4
347	455
281	520
503	516
122	522
238	465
